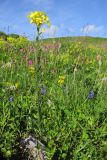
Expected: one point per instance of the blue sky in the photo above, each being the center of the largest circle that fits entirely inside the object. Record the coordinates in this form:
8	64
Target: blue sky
68	17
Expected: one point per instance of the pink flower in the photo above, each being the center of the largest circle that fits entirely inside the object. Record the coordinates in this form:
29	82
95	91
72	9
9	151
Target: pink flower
30	62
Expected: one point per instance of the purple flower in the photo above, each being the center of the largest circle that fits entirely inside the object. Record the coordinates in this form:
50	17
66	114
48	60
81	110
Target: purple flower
43	90
30	62
91	94
11	99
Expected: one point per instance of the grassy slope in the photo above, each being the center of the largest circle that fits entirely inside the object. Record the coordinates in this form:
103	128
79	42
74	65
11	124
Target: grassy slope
71	122
97	41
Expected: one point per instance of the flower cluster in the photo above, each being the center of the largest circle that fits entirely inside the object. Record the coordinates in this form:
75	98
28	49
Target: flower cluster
12	86
31	69
38	18
51	47
91	94
43	90
61	79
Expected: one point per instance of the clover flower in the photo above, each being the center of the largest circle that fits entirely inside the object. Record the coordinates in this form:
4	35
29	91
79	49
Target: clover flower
30	62
91	94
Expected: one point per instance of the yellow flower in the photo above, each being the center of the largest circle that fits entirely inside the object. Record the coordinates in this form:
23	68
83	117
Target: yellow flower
31	69
12	86
39	18
11	40
61	79
16	85
43	30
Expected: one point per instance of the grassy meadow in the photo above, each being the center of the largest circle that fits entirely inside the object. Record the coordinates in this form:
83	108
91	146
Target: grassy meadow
56	91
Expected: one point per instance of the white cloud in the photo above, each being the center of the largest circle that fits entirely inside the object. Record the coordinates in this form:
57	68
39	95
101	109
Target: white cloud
51	31
91	28
71	29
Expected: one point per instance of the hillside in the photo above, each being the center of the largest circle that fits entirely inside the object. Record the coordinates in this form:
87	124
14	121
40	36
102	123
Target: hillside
54	91
97	41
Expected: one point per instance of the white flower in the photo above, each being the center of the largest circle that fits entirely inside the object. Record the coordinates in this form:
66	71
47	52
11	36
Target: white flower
75	69
13	87
104	80
8	65
49	102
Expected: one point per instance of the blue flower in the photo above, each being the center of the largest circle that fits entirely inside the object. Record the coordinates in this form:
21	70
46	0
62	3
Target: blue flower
91	94
11	99
43	90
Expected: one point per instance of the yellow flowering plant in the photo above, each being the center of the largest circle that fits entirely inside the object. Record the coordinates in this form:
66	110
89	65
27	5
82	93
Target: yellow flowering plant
38	18
61	79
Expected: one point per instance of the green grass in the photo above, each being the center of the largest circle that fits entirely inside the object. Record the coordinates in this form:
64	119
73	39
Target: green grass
56	110
81	39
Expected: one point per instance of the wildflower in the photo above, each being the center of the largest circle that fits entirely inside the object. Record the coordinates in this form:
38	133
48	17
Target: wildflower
49	102
31	69
38	18
25	57
98	58
104	80
43	30
43	90
30	62
12	87
11	99
61	79
8	65
91	94
16	85
75	69
57	46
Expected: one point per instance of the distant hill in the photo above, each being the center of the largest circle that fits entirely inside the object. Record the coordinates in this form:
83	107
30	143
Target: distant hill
4	35
87	40
80	38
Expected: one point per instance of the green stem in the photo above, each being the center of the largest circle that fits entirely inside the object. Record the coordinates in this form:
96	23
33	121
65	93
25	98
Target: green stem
38	30
38	74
